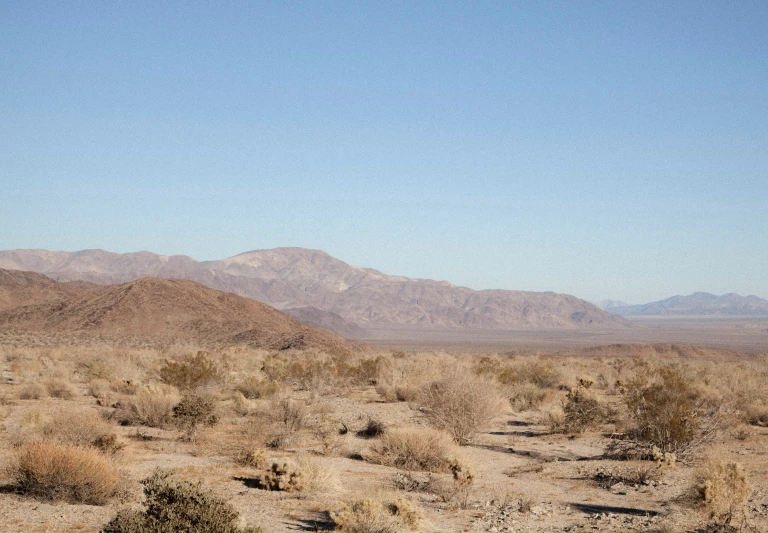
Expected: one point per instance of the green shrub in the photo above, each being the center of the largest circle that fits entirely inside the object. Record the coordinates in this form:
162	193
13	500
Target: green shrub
175	506
668	412
194	411
582	411
190	372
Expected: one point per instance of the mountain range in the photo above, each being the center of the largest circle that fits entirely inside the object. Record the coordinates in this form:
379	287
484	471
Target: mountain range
327	292
696	304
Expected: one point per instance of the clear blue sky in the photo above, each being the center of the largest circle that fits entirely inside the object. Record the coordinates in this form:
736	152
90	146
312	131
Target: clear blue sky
603	149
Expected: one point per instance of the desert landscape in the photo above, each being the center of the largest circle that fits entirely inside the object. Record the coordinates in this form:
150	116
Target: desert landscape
383	267
161	404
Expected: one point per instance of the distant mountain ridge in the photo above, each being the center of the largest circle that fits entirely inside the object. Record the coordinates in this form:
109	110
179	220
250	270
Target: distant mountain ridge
696	304
290	278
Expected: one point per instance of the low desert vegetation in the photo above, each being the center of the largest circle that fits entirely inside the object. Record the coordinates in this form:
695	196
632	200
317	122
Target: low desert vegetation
53	471
381	441
421	449
172	506
377	515
461	404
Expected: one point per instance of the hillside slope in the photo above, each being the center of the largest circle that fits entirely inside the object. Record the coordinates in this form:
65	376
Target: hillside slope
156	308
296	278
19	288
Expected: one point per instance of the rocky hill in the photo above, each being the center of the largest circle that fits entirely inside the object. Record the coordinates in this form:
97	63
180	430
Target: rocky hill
19	288
155	308
696	304
289	278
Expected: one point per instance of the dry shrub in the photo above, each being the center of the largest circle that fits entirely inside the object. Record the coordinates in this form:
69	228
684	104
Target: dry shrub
757	415
286	417
254	457
458	489
54	471
721	489
374	428
374	515
668	412
78	427
99	388
526	396
582	411
59	388
241	405
190	371
413	449
99	368
172	506
253	388
460	404
328	434
536	371
32	391
151	407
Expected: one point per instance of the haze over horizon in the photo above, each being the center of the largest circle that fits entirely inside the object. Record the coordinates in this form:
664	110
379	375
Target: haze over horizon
606	151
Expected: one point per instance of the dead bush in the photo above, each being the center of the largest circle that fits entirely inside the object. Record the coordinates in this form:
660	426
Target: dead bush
458	489
190	372
721	489
55	471
32	391
78	427
99	388
413	449
541	373
461	405
173	506
526	396
59	388
374	515
668	412
253	388
757	415
152	407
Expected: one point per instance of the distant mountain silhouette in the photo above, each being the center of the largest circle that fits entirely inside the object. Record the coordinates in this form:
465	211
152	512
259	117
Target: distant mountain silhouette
289	278
696	304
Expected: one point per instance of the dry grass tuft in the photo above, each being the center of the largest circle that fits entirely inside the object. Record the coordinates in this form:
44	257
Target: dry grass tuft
413	449
375	515
56	471
721	489
59	388
152	407
78	427
32	391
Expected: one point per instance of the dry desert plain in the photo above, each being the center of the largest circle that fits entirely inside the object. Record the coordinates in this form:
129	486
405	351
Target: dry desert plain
632	431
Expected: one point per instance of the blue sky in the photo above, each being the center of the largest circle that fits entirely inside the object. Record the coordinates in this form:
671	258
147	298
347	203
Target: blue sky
602	149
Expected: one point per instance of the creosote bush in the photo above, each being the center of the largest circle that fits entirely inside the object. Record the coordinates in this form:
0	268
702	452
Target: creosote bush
56	471
194	411
668	412
374	515
582	411
175	506
191	371
460	404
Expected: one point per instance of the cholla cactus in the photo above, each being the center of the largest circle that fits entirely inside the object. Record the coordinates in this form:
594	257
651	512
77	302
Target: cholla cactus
284	477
